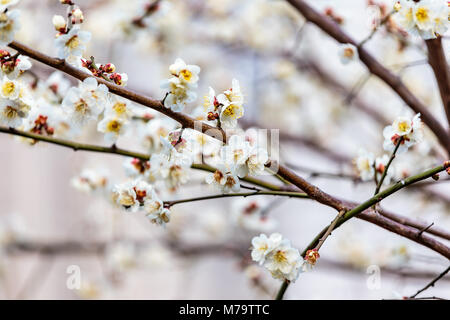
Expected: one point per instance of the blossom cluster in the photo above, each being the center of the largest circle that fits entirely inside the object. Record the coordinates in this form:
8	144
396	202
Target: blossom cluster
181	85
277	256
237	159
226	108
133	195
404	133
427	18
15	98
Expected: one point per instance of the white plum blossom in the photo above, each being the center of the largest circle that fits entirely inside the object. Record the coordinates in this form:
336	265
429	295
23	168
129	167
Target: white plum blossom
119	107
186	73
256	161
155	210
427	18
348	53
10	89
180	86
277	256
125	196
224	178
15	67
406	130
236	153
232	106
73	43
179	94
9	24
113	127
172	163
13	112
85	102
364	164
262	246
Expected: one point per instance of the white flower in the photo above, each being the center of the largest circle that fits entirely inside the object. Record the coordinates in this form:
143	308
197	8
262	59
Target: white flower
224	178
232	107
256	161
236	153
404	129
179	94
119	107
277	256
427	18
179	87
9	25
15	67
262	246
365	165
125	196
85	102
155	210
72	43
9	89
283	258
113	127
186	73
348	53
12	112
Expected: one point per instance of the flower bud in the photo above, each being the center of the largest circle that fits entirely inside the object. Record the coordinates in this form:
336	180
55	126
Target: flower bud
109	68
77	16
59	23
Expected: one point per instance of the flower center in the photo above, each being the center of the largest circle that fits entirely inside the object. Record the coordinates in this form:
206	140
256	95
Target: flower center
8	88
73	42
10	112
422	15
186	74
403	126
114	126
81	107
120	108
280	257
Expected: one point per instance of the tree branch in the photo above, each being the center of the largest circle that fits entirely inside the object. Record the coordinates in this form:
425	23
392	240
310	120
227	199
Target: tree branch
438	62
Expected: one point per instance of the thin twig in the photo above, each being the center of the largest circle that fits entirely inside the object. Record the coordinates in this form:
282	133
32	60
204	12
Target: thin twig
432	283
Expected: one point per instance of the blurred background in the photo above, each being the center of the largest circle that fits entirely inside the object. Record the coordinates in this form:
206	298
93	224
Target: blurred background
293	80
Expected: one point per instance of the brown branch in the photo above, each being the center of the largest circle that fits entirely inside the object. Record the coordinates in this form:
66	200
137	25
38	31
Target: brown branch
185	120
432	283
376	68
438	62
188	122
420	225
